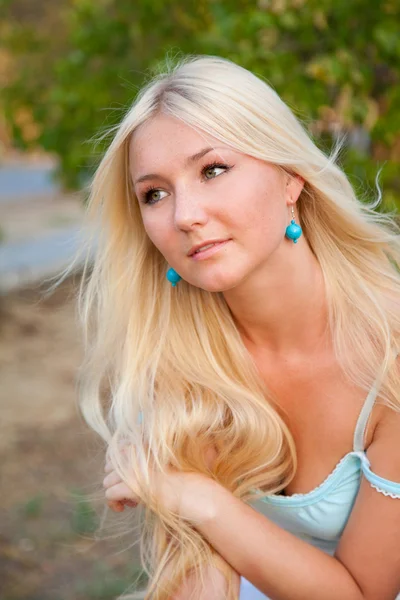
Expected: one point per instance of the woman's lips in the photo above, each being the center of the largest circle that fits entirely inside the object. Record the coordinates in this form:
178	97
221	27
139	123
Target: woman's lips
203	254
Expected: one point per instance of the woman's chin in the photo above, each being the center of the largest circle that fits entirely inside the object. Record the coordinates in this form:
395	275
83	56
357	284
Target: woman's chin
220	283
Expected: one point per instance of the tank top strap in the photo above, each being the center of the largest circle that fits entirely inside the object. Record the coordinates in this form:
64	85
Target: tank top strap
359	433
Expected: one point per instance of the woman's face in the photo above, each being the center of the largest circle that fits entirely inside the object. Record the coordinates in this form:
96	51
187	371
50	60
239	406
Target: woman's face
194	190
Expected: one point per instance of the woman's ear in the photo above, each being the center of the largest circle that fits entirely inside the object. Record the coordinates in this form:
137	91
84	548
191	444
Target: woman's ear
294	186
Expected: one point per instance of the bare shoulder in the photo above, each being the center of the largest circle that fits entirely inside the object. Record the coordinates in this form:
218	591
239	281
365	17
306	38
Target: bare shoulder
383	417
387	417
369	546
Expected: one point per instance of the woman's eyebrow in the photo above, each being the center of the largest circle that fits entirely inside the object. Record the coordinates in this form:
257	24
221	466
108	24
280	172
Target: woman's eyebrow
198	155
190	160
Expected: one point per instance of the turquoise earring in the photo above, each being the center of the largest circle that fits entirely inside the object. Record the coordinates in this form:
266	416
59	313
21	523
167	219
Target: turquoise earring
173	276
293	231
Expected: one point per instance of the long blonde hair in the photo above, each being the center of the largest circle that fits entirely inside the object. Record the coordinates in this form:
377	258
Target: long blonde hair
175	355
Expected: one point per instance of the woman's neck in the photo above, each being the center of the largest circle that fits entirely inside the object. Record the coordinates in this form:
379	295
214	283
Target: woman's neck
283	311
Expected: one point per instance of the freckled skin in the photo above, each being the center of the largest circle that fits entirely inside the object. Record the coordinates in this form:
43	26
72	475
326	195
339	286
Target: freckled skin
247	204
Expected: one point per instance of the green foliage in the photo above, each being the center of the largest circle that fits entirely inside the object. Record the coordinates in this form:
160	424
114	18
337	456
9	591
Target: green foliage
336	63
105	584
33	507
83	519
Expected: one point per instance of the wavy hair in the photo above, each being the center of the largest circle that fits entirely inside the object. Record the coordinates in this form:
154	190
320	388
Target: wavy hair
174	356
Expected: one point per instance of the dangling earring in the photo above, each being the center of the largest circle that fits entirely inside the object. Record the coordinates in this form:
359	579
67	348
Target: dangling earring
293	231
173	276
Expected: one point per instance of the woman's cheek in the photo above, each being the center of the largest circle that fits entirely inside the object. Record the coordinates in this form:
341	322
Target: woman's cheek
164	244
154	231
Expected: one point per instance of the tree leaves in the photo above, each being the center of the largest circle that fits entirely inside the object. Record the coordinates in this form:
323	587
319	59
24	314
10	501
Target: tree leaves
336	63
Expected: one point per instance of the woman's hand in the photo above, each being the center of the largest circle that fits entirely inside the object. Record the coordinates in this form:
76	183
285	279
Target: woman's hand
118	494
171	489
188	494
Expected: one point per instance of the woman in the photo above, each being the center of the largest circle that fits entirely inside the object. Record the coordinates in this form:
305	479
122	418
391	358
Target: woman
244	324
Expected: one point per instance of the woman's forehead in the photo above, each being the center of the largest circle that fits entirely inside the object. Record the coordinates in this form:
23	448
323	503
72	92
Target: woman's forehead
163	139
166	130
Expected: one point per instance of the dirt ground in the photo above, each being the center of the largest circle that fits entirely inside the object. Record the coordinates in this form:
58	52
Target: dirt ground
51	504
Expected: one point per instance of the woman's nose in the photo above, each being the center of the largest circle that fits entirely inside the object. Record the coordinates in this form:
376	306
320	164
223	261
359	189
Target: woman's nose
189	212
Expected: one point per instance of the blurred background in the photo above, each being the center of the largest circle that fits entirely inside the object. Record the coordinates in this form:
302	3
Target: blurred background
68	70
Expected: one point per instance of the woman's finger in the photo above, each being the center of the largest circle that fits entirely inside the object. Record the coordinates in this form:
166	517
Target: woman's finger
130	503
115	505
108	467
119	505
121	492
123	447
111	479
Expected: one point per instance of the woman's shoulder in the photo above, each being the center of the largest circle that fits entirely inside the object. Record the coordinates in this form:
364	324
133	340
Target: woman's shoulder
387	416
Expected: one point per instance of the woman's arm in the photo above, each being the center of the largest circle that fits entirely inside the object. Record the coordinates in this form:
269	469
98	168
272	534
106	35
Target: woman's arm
277	562
366	564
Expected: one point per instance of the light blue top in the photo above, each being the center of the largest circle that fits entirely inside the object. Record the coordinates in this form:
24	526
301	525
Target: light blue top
320	516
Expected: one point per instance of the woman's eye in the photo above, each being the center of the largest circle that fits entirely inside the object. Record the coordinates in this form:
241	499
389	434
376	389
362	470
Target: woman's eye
212	171
152	196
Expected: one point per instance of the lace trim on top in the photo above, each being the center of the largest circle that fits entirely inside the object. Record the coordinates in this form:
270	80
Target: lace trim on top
324	483
385	492
380	484
316	493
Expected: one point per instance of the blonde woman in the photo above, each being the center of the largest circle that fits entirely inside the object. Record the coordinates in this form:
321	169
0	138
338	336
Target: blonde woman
243	329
